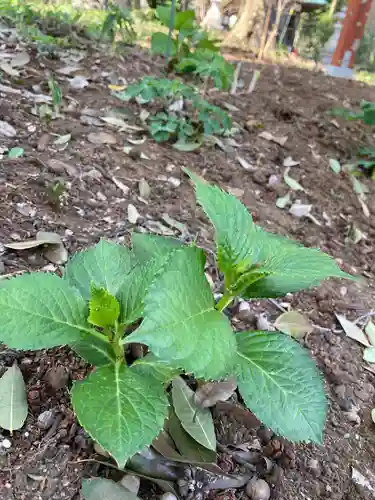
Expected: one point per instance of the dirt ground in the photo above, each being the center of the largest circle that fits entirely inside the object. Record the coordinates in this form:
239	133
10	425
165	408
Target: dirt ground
45	461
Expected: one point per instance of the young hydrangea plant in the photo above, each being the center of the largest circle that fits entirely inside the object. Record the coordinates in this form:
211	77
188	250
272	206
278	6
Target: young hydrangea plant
157	294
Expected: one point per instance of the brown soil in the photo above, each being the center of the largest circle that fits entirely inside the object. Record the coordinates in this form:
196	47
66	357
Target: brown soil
45	464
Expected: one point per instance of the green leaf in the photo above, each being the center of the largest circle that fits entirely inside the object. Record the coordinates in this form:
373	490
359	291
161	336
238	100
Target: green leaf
164	13
16	152
273	265
369	354
149	246
13	399
94	350
373	415
120	409
196	421
181	323
98	488
151	366
280	383
133	292
190	449
335	165
292	183
184	20
39	311
106	265
104	308
159	44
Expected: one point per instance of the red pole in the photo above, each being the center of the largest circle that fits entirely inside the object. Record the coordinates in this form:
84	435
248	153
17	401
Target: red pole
352	31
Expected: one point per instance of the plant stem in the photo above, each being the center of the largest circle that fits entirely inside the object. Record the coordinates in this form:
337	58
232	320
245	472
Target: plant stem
96	334
117	345
225	300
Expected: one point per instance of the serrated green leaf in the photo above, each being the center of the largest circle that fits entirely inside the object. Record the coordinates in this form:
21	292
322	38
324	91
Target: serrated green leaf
181	323
151	366
104	308
39	311
133	292
190	449
369	354
280	383
149	246
195	420
98	488
121	410
94	350
13	399
106	265
244	248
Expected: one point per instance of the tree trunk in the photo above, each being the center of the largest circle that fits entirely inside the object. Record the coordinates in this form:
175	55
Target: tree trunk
247	31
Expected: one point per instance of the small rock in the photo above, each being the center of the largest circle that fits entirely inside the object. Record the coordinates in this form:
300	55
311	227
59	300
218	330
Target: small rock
258	489
174	181
57	377
6	444
45	420
313	466
245	313
131	483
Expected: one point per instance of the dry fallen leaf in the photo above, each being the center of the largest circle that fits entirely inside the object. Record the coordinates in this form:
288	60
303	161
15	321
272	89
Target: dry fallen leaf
101	138
144	189
245	164
78	82
289	162
281	141
8	69
352	330
175	224
120	185
294	324
6	129
300	210
210	393
133	214
20	59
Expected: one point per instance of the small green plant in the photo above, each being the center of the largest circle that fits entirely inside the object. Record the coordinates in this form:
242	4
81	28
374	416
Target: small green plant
118	20
188	126
188	36
156	294
366	157
208	65
56	95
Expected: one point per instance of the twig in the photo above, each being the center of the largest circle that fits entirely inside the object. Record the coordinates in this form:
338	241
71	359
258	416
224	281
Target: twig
233	89
253	82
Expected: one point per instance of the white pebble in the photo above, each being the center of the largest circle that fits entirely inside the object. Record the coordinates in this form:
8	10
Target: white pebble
168	496
5	443
131	483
